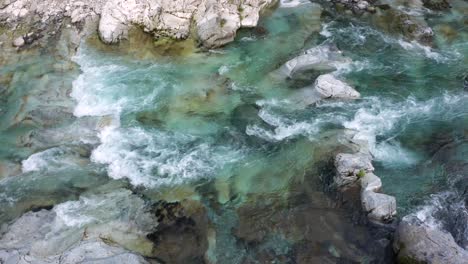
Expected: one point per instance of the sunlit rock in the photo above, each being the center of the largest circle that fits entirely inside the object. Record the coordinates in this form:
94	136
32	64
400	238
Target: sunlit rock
349	167
419	243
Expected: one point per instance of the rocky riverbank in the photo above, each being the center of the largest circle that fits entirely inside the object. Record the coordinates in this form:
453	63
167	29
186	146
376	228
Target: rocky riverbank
212	22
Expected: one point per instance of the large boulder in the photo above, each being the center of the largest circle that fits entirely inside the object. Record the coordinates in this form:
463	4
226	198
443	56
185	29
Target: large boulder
420	243
379	207
216	21
326	86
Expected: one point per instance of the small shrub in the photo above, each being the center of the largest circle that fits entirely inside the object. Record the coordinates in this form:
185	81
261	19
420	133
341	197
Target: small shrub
361	173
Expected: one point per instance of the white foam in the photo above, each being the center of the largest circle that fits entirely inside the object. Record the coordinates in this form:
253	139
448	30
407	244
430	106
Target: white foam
154	158
102	89
424	50
325	30
284	128
293	3
223	69
379	117
50	159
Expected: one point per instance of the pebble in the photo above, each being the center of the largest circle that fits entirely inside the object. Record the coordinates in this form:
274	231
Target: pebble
18	42
362	4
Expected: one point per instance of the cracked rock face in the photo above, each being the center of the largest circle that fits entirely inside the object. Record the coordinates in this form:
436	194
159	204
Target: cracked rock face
214	22
348	166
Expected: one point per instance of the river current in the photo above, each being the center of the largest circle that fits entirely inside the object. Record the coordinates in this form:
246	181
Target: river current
217	131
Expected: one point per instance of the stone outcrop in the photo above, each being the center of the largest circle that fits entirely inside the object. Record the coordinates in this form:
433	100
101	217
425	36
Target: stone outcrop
356	169
420	243
213	22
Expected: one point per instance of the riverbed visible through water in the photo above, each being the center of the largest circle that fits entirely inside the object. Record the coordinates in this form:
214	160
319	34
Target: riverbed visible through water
214	132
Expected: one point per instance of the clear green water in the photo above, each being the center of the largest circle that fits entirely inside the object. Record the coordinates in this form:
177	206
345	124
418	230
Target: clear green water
215	127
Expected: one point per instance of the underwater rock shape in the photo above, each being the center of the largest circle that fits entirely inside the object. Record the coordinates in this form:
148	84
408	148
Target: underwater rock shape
419	243
19	42
181	234
321	58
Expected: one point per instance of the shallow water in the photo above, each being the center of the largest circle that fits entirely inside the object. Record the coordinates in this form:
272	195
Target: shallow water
218	128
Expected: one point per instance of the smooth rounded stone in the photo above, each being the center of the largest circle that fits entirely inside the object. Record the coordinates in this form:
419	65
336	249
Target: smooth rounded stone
349	166
362	5
419	243
19	42
329	87
378	206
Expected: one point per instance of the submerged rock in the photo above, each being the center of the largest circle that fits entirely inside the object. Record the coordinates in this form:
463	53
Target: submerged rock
181	234
379	207
320	58
419	243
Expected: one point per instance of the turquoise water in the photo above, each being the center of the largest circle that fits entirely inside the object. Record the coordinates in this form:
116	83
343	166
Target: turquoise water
218	128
